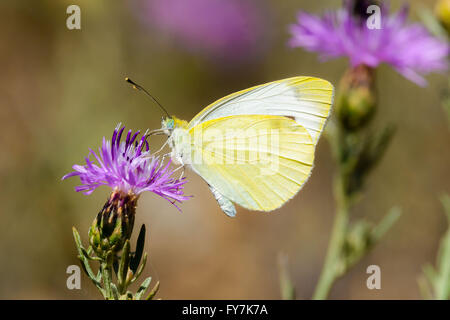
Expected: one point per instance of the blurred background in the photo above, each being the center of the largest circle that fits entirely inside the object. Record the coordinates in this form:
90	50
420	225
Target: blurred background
62	90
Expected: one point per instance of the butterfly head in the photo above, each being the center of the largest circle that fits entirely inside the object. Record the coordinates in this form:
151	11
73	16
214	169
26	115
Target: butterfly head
168	124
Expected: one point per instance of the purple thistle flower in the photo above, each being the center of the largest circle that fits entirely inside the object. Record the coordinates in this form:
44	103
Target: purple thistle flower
127	166
408	48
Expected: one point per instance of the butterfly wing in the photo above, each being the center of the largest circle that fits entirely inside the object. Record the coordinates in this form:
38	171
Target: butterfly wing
256	161
306	99
224	203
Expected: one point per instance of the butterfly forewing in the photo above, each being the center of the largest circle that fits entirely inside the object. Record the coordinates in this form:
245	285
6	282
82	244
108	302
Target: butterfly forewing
306	99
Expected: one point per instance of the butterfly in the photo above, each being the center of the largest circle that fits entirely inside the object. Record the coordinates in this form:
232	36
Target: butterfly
255	147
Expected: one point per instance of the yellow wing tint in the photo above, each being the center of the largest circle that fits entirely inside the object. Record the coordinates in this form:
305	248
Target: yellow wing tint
256	161
306	99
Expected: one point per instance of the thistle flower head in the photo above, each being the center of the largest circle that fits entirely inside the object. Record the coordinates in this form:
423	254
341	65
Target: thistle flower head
408	48
113	225
129	168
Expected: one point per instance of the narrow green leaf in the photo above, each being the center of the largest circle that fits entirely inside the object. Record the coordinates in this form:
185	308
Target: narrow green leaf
286	286
136	259
430	273
77	238
115	291
152	293
87	268
143	288
380	144
85	262
123	266
99	276
424	288
386	223
116	266
141	268
442	283
439	277
445	199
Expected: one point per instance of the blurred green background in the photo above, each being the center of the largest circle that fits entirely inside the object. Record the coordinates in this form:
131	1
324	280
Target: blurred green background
63	90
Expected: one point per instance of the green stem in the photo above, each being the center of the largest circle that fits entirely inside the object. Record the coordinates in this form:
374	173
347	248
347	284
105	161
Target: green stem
330	270
442	287
107	278
442	283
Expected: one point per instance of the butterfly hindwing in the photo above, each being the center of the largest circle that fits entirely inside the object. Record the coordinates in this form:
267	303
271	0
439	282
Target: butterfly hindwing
256	161
224	203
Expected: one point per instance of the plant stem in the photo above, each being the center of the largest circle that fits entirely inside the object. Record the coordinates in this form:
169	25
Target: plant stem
442	287
442	283
330	271
107	275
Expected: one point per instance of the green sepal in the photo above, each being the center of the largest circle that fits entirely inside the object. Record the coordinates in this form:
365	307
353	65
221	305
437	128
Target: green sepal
116	236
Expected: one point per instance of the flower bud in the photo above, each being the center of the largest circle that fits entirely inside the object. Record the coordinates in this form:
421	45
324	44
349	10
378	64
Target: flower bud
356	100
442	11
113	224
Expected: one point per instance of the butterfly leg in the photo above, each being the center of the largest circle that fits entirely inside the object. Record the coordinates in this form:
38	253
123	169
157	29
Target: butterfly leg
163	157
162	147
182	172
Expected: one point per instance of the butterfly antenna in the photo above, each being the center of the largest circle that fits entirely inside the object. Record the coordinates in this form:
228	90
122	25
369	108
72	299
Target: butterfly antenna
140	88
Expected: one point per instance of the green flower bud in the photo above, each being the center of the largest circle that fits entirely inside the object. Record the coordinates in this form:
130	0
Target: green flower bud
356	100
442	11
113	224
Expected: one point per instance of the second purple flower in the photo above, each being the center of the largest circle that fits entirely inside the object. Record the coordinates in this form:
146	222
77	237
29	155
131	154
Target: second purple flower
408	48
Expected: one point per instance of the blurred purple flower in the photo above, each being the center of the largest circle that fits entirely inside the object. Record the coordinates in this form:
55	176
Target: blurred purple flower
408	48
220	28
128	166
